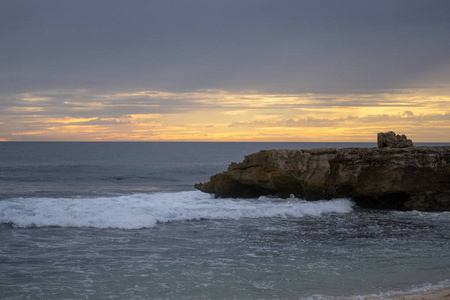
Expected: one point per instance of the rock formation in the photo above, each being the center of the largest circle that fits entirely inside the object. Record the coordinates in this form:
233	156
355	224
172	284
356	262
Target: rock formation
411	178
391	140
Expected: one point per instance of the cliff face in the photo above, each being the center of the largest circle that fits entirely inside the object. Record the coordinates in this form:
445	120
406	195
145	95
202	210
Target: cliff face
411	178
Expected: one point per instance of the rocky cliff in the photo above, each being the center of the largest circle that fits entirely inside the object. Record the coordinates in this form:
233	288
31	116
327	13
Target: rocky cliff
409	178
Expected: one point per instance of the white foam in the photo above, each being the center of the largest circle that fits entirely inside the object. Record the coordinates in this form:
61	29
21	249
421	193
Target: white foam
415	291
146	210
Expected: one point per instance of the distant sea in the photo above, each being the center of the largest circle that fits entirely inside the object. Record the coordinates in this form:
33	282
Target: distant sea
88	220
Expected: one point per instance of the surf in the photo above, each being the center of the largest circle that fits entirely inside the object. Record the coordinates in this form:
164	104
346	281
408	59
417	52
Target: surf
147	210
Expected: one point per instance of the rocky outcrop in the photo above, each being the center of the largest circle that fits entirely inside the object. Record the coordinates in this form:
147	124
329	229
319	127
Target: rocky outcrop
392	140
412	178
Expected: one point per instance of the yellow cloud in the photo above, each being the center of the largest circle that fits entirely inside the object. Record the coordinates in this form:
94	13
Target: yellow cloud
27	109
218	115
28	133
36	99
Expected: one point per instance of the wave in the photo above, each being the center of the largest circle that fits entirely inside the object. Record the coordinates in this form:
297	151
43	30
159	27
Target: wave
425	291
147	210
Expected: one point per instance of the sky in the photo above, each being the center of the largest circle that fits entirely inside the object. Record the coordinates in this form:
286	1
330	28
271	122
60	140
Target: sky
234	70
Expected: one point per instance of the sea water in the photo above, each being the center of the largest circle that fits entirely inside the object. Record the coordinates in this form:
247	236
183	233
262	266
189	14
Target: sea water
123	221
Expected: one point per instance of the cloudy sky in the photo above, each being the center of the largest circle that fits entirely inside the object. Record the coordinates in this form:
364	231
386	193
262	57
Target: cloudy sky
207	70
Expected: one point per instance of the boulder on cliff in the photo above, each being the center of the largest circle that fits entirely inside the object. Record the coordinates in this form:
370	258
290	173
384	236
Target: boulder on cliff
412	178
392	140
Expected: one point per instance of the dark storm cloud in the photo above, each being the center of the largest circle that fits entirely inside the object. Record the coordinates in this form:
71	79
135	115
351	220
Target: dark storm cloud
270	46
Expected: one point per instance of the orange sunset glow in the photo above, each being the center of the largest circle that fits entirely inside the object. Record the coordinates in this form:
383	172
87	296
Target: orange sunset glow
216	115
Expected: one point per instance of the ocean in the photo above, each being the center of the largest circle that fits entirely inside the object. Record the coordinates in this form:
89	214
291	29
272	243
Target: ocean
121	220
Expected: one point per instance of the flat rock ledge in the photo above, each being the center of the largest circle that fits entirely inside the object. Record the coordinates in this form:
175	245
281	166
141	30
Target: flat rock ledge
409	178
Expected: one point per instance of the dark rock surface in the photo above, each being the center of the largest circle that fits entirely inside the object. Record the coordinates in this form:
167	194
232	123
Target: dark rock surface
412	178
392	140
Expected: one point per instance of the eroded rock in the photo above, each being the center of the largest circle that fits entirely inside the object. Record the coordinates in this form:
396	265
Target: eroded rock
411	178
392	140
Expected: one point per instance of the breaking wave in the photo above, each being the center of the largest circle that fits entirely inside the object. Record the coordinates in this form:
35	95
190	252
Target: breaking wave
146	210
